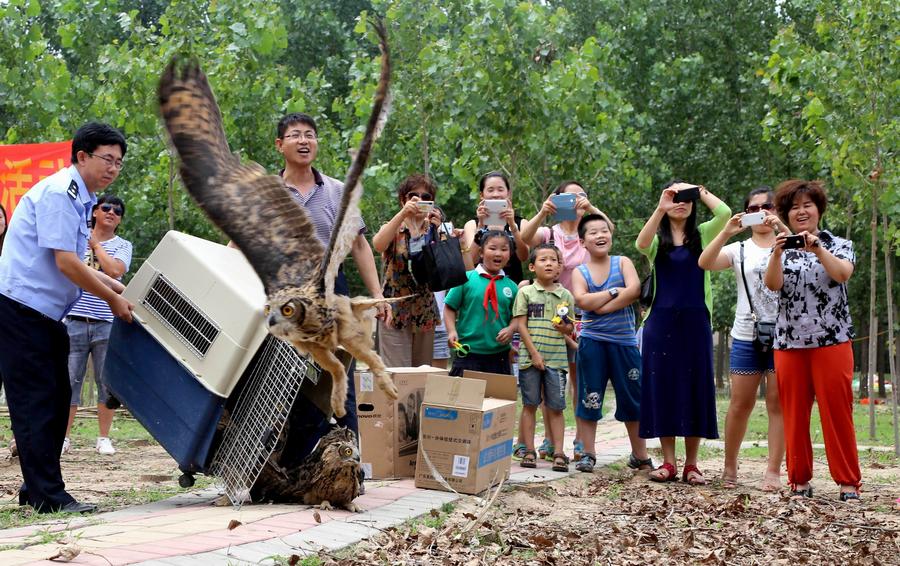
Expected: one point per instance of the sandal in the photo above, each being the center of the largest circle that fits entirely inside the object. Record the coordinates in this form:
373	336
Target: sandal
849	496
666	468
560	463
637	464
586	463
808	492
578	448
545	450
729	482
695	479
518	450
529	459
771	482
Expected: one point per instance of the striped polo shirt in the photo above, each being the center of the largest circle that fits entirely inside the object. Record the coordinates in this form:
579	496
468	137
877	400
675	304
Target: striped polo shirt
322	203
616	327
90	305
540	305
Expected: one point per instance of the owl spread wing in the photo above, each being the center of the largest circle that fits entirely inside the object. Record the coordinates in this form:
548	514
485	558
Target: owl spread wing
349	219
254	209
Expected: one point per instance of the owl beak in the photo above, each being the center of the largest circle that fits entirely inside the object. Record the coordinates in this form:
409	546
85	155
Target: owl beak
271	320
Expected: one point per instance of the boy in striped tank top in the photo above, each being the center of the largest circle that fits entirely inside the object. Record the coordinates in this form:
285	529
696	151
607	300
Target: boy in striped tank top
604	288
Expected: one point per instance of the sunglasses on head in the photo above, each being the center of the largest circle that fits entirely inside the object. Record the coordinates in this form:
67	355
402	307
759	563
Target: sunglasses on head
115	208
758	207
422	196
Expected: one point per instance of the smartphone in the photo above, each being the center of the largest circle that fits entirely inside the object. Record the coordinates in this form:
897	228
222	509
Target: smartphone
794	242
425	206
688	194
753	219
565	206
447	227
495	207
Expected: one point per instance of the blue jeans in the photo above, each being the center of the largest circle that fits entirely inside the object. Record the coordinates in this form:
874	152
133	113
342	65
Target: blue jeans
87	338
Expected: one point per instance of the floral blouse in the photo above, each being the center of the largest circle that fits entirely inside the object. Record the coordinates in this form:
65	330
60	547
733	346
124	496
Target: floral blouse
418	313
813	310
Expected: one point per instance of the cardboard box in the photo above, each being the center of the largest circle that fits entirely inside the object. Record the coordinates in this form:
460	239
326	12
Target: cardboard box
467	428
389	430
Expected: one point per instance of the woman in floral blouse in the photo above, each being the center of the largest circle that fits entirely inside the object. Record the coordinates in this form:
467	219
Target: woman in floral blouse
813	357
409	338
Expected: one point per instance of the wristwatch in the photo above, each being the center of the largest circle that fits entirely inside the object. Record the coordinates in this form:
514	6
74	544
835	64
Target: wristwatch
613	292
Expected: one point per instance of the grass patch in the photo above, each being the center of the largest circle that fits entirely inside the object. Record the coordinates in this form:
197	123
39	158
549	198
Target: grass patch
758	425
85	430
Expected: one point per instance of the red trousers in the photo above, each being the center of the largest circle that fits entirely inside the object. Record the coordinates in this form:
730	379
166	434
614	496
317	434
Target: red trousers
825	375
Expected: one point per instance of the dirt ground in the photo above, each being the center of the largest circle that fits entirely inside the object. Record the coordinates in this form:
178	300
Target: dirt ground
138	472
616	516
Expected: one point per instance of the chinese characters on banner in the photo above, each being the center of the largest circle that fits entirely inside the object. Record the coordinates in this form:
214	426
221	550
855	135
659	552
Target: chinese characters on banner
23	165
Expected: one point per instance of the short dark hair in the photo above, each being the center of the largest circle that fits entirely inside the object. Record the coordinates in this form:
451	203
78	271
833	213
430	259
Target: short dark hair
562	186
416	181
761	190
487	176
110	199
582	224
532	256
295	118
94	134
490	234
788	191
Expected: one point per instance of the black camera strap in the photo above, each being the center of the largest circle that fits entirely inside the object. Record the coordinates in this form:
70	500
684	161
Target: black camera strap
746	288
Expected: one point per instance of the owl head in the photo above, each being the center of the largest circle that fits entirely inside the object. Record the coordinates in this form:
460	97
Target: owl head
339	447
298	313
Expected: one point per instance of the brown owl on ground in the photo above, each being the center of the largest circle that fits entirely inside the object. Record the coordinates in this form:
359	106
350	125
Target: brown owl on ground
274	232
329	476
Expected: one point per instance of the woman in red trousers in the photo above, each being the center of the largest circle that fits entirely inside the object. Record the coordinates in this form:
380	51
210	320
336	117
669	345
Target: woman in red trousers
813	357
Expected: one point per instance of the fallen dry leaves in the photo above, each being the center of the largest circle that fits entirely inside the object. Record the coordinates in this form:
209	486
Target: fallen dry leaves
620	518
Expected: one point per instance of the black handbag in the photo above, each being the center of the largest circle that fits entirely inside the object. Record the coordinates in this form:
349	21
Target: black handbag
763	332
440	264
648	290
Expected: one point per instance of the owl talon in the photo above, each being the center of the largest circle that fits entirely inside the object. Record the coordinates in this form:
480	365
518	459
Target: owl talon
353	507
325	506
339	410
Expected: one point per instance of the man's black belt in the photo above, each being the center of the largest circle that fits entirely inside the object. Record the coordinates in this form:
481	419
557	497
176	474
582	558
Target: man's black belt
83	318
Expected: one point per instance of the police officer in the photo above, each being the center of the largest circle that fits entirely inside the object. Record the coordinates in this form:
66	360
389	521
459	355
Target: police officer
41	277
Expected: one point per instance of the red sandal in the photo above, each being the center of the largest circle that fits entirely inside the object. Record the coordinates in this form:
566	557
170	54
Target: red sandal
697	479
669	469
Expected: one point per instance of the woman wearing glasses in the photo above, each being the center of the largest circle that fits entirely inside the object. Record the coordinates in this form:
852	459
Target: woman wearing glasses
750	363
408	341
90	320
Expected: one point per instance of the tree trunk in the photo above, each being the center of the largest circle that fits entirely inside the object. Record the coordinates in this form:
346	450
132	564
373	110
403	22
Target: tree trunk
171	204
891	342
720	356
873	315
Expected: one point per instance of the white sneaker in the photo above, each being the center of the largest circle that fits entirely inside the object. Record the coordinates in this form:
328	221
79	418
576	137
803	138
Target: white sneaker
67	444
104	445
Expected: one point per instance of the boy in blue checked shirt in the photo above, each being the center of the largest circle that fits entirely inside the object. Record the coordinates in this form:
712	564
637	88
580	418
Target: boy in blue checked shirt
543	361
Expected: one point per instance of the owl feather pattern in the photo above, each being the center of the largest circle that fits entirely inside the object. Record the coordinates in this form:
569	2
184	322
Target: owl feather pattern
278	237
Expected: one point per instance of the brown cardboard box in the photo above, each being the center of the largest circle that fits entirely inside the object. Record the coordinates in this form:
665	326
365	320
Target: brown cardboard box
389	430
467	428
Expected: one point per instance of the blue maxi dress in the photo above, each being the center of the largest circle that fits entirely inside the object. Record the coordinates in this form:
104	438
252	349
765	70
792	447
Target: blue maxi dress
678	396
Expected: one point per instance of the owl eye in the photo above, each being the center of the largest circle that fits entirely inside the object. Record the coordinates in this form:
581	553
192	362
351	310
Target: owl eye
266	310
287	311
346	451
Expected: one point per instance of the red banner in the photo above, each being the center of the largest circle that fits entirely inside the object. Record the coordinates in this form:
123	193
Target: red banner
23	165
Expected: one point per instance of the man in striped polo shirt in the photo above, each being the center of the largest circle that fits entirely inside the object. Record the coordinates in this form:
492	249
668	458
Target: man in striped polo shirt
90	320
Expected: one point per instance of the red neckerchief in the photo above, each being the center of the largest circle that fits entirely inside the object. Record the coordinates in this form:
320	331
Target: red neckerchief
490	295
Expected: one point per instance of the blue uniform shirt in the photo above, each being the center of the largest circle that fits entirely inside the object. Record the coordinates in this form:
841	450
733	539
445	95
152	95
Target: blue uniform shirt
52	215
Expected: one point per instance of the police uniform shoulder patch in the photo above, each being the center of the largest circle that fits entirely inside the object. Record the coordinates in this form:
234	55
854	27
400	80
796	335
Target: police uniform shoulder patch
72	191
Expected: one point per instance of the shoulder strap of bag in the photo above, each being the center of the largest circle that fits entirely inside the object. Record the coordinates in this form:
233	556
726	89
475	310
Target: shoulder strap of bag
746	288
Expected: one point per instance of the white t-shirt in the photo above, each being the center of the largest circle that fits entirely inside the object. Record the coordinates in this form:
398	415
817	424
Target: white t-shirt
439	299
756	259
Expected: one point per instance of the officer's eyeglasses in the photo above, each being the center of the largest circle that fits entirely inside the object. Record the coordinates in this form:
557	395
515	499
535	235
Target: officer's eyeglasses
115	208
296	136
110	160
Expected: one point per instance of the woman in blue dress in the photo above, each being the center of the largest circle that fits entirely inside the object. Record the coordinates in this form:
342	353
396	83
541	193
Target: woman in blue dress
678	396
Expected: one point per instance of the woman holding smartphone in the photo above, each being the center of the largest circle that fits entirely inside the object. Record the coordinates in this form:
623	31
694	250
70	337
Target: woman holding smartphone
494	186
813	356
564	235
678	392
408	340
755	302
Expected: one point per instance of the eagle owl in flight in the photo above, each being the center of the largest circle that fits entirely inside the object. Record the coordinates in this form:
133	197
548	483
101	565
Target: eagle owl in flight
274	232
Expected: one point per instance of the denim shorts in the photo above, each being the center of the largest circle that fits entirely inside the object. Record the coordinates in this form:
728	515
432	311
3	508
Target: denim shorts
87	338
598	364
745	360
441	348
549	384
